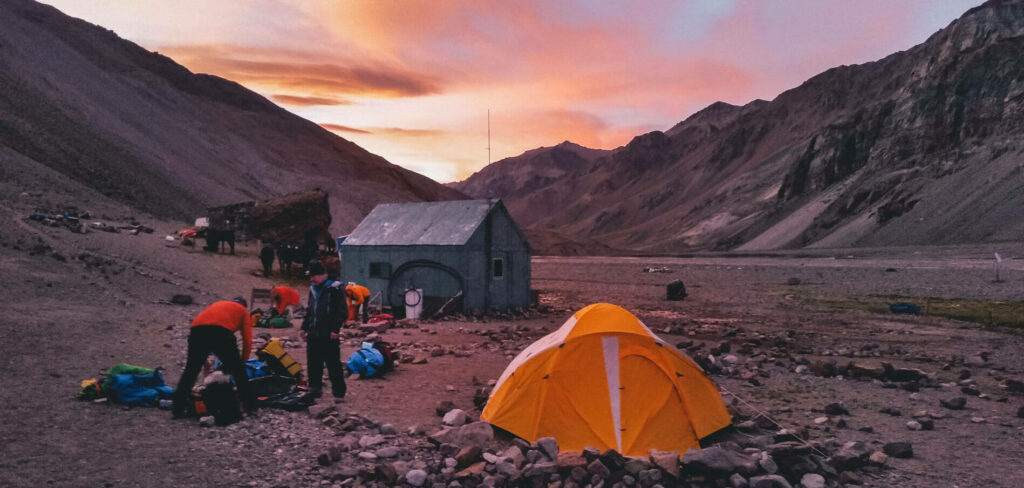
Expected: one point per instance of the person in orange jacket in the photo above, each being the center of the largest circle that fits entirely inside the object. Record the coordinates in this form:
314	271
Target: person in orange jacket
357	296
213	330
282	297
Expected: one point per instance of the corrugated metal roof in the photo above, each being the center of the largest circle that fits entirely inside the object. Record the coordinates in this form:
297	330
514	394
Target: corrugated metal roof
421	224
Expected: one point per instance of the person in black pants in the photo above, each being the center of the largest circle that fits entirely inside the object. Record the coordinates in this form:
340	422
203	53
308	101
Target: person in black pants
325	312
213	330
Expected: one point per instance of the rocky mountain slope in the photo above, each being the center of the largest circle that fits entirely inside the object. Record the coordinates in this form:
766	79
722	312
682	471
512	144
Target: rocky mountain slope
135	126
921	147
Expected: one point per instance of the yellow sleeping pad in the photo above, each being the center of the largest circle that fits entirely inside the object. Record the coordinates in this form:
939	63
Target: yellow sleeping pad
283	360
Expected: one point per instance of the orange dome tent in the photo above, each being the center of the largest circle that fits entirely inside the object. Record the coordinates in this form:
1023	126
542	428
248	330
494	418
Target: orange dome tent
605	380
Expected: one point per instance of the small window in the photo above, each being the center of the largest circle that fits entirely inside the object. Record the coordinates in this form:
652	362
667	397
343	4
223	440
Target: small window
380	270
498	268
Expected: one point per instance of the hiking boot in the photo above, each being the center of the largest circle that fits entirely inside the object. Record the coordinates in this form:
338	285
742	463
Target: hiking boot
338	399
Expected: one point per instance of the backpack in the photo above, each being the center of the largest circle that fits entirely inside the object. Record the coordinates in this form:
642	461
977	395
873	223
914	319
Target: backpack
389	356
222	403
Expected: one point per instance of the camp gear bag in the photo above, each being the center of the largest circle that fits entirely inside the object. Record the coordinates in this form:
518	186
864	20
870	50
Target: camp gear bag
278	359
389	356
222	403
291	401
138	389
367	361
267	386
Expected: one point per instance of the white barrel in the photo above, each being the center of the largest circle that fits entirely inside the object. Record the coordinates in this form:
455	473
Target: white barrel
413	303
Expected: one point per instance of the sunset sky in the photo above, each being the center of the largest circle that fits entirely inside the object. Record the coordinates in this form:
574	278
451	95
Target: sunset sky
412	80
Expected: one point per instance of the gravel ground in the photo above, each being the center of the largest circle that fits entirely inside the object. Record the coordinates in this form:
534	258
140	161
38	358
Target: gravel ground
79	303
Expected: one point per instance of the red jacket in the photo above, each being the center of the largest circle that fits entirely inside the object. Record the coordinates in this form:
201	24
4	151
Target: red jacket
231	316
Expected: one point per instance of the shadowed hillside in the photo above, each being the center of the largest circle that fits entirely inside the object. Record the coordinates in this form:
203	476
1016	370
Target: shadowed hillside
139	128
921	147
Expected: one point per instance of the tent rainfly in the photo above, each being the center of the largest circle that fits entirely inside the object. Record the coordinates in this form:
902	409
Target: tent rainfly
605	380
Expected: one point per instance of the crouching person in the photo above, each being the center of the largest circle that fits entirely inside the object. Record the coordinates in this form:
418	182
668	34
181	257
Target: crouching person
213	331
321	326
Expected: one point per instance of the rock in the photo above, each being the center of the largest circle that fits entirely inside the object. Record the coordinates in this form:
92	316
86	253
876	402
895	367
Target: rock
1020	413
849	478
388	452
793	281
367	456
514	455
477	434
976	361
320	411
957	403
879	458
636	465
821	420
1013	386
386	473
738	481
613	460
769	481
717	461
507	469
181	299
443	407
578	474
473	470
416	477
455	418
812	480
598	468
927	424
371	440
905	374
549	446
768	464
467	455
334	452
388	429
866	371
853	454
571	459
207	421
591	453
541	469
666	460
324	459
899	450
914	425
836	409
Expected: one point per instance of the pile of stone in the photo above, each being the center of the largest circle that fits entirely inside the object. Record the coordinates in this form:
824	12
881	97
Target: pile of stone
466	454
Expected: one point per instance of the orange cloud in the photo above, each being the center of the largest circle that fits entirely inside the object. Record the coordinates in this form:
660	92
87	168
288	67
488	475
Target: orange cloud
344	128
299	101
279	68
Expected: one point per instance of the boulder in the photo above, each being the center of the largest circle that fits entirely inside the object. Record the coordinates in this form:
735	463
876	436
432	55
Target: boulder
416	477
666	460
571	459
899	450
769	481
957	403
812	480
716	461
455	418
477	434
549	446
853	454
467	455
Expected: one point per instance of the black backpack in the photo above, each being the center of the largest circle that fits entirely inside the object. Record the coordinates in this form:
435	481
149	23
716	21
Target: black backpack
222	403
389	356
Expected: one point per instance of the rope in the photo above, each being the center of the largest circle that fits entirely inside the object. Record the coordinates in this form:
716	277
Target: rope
764	414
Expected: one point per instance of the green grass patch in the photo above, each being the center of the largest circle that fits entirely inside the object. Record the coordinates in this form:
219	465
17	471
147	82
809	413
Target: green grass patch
996	313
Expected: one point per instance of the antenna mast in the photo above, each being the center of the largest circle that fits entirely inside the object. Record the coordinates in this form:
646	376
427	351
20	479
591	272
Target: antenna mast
488	136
